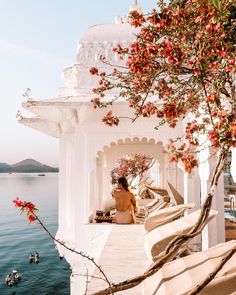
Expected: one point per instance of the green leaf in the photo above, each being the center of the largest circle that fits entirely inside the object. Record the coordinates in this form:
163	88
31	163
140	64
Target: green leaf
217	4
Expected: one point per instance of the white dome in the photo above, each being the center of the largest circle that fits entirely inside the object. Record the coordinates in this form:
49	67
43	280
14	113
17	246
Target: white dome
101	39
109	33
97	41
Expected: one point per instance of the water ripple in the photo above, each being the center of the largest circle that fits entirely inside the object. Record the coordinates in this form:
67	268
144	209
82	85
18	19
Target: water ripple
18	239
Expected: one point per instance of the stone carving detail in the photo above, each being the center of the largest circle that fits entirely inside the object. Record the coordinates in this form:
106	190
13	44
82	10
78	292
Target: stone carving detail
77	79
90	53
80	51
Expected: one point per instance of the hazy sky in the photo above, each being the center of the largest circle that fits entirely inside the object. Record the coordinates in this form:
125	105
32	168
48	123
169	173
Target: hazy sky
38	40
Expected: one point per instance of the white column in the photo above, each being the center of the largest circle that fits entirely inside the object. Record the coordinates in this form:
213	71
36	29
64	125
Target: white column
72	183
214	232
69	188
99	182
192	194
81	200
92	194
180	179
106	179
192	187
164	170
64	202
62	187
217	226
170	171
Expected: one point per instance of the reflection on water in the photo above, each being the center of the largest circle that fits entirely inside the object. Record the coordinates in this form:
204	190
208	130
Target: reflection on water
18	239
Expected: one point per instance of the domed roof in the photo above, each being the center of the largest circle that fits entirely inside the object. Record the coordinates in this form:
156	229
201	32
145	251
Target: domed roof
109	32
97	41
101	39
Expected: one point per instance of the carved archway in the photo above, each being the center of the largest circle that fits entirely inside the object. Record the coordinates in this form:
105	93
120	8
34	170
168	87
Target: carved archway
110	153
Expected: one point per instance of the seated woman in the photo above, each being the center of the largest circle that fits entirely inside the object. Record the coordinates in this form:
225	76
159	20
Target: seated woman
125	203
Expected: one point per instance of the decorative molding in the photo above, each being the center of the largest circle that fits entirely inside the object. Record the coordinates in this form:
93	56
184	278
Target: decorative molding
50	128
128	140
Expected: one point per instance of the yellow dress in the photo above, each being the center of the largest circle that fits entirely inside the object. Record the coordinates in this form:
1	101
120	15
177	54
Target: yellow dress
125	206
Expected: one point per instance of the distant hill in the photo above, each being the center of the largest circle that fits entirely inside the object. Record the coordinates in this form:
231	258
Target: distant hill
28	165
4	167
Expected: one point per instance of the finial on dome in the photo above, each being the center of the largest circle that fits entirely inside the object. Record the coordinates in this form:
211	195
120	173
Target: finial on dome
124	19
136	7
121	19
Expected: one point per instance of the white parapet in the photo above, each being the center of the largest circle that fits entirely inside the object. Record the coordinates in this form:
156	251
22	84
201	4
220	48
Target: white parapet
91	242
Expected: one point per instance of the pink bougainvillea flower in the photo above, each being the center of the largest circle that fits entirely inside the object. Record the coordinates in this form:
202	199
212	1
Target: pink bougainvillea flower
110	119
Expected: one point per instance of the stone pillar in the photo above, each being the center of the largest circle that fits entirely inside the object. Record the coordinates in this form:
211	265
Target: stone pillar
170	171
172	177
192	194
180	179
100	181
65	214
106	179
62	187
69	187
164	169
73	185
80	189
192	187
214	232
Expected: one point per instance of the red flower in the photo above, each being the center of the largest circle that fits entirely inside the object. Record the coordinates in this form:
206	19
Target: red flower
189	162
31	218
213	137
212	97
17	202
110	119
93	71
197	72
136	18
29	207
170	111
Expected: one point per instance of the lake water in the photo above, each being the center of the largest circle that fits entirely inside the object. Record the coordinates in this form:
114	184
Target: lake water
18	238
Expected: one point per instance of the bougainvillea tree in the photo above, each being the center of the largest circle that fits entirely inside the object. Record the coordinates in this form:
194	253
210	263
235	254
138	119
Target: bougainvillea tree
180	67
182	62
132	167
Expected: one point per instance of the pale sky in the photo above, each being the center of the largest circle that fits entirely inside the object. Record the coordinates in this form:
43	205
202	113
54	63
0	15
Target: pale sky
38	40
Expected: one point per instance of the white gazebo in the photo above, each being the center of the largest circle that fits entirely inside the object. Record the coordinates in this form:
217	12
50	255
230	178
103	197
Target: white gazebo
88	149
